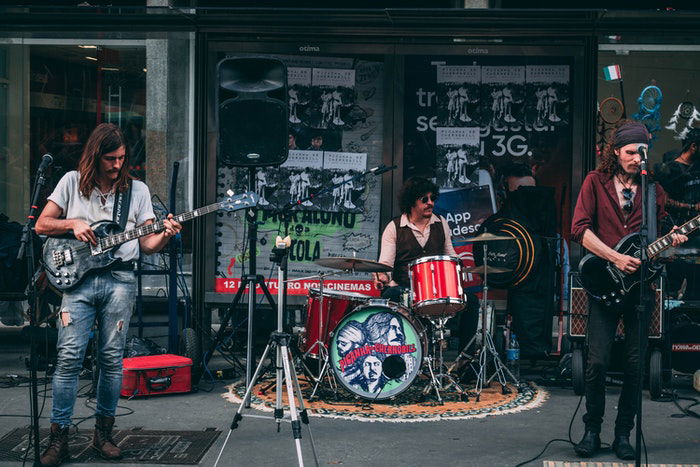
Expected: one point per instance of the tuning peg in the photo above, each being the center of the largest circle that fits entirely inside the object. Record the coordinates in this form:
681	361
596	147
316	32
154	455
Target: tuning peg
229	192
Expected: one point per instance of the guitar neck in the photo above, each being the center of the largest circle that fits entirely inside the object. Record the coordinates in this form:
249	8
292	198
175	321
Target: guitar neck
123	237
663	243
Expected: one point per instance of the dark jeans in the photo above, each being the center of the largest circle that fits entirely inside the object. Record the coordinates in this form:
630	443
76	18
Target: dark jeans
602	323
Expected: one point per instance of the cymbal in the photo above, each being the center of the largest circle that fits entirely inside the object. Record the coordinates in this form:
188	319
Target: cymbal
490	270
486	237
356	264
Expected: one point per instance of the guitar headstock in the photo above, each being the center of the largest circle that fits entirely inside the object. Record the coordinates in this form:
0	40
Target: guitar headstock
233	202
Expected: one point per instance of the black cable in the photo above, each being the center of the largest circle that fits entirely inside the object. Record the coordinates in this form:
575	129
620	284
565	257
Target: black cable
569	441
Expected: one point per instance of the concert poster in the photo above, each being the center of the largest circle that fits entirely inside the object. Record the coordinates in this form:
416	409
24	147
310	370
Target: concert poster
332	95
459	96
457	156
547	95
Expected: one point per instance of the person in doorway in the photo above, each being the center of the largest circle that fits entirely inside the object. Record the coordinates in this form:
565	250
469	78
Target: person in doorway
81	198
680	177
609	208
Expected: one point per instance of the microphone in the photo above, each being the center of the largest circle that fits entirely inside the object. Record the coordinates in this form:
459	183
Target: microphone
46	161
382	169
642	150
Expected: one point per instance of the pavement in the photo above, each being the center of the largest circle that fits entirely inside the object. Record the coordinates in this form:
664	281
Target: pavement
493	441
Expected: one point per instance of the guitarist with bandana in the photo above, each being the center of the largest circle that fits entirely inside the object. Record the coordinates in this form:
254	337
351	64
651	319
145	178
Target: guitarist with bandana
609	208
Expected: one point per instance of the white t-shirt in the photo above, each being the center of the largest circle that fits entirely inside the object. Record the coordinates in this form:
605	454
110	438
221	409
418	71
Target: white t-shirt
75	206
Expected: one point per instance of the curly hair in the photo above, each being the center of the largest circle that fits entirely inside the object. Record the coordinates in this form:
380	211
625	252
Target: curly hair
105	138
608	159
414	188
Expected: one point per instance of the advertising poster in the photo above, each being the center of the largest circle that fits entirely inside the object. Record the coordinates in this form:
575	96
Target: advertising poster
342	101
523	115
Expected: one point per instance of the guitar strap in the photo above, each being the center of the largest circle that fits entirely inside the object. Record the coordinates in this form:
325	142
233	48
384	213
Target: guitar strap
651	212
120	211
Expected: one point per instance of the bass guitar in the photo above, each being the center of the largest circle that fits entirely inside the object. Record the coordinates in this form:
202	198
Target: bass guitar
606	283
68	261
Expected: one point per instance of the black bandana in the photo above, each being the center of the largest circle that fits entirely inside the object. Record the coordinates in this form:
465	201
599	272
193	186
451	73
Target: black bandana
631	133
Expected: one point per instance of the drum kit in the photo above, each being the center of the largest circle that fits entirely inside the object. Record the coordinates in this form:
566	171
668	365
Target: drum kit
376	349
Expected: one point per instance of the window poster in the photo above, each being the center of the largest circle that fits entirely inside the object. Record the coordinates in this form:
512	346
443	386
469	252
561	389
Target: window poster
467	112
335	119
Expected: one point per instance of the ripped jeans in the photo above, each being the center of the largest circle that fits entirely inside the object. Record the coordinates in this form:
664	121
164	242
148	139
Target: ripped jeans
109	298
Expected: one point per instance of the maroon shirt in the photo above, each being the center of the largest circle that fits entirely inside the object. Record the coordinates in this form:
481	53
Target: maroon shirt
598	209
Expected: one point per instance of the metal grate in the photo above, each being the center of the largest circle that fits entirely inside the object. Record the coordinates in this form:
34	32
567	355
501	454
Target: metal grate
138	446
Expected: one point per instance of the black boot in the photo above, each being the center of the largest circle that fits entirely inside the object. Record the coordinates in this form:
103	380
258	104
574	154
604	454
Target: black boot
622	447
589	445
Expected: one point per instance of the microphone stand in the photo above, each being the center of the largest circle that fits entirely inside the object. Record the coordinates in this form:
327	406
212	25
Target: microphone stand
27	249
644	299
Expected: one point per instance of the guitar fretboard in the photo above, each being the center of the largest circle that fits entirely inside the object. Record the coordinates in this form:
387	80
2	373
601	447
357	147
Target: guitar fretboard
664	242
235	203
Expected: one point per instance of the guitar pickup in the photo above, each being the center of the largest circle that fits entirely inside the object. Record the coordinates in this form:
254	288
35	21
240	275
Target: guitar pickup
96	249
62	257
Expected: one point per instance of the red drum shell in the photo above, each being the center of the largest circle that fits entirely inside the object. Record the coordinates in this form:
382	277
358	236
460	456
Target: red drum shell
319	325
436	286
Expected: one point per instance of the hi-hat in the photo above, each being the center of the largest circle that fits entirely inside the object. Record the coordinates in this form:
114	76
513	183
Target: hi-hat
489	269
355	264
486	237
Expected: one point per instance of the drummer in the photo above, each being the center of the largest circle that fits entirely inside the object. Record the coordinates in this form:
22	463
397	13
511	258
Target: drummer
417	233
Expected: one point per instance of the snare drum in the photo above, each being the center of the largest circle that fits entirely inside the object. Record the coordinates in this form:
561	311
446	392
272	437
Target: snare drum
436	286
377	350
319	325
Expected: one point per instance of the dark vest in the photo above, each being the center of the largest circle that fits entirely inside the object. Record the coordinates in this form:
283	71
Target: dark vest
408	249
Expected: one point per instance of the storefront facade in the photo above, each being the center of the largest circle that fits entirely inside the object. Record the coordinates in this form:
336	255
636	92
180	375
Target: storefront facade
413	88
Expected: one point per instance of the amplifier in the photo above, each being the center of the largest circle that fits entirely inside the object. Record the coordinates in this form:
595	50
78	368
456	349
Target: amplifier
578	311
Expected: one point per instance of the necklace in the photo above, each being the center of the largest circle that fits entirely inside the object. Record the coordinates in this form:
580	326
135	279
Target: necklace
627	195
103	196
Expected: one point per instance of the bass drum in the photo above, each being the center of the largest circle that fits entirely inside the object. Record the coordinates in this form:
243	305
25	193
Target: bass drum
377	350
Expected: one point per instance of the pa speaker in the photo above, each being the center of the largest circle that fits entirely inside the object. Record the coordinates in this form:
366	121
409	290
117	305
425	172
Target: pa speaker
252	112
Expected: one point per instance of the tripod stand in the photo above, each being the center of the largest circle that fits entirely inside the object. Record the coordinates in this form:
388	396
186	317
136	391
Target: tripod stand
250	282
280	341
488	349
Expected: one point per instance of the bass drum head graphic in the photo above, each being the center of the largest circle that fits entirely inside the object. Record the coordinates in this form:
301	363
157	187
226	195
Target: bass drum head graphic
377	350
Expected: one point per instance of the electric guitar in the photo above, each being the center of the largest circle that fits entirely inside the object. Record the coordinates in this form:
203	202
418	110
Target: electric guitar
68	260
606	283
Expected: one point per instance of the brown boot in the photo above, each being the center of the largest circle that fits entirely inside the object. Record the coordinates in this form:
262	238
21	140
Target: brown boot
57	451
102	440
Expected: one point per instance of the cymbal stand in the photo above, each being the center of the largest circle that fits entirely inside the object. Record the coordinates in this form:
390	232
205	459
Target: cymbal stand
437	380
280	341
488	350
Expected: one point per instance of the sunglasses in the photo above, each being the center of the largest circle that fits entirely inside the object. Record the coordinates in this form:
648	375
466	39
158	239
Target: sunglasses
627	193
425	199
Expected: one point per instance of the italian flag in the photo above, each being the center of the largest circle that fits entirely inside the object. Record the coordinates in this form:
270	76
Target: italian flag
612	72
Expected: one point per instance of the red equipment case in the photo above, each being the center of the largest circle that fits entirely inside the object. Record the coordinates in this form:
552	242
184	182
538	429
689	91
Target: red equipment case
156	374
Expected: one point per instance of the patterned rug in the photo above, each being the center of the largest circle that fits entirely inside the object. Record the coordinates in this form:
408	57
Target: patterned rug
409	406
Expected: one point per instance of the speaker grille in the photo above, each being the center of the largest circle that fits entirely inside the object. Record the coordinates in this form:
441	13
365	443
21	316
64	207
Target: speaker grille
252	132
578	312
